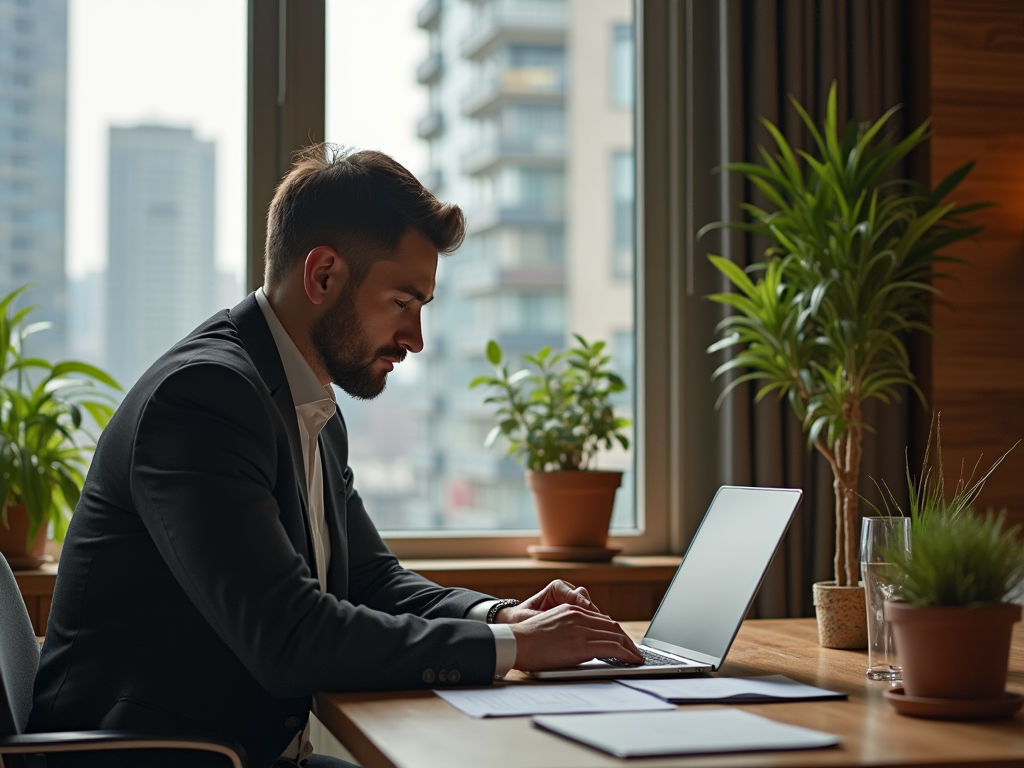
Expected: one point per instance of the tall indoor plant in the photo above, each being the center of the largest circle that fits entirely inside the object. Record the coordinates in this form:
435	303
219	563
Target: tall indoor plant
44	436
556	414
824	320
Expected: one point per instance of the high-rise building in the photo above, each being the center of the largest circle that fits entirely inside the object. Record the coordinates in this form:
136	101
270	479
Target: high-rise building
161	279
530	130
33	99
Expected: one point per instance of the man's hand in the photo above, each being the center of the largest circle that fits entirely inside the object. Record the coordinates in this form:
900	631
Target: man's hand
556	593
569	634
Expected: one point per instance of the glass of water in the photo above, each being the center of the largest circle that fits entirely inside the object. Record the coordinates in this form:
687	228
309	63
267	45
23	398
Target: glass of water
879	536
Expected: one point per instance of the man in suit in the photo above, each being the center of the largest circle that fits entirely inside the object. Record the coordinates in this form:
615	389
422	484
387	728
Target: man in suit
220	567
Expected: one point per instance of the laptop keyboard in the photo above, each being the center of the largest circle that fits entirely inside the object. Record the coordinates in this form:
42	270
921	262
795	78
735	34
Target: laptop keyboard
651	659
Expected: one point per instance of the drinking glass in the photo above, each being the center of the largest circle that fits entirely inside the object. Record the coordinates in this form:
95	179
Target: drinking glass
879	536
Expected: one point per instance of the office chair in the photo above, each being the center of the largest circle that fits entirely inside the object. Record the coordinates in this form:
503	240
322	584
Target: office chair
19	660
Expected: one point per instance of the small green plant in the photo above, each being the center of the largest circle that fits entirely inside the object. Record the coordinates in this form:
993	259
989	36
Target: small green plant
957	557
824	321
557	413
42	409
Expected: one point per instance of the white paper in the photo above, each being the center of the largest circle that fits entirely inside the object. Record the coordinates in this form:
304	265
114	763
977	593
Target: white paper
691	732
512	700
702	689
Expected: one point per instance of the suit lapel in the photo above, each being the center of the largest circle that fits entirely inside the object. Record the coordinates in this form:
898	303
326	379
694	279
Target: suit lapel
259	343
335	510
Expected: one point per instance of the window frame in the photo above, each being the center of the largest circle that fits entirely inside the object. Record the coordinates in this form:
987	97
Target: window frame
286	111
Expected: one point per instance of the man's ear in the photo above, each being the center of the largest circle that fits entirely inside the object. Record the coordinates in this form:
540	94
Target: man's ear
324	274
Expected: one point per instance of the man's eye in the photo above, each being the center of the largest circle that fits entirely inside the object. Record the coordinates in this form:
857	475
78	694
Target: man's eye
401	304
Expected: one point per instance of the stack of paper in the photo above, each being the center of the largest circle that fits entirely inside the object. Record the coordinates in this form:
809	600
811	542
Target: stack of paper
655	734
732	690
513	700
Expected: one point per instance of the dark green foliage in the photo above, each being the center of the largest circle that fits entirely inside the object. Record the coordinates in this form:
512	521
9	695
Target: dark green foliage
557	412
42	419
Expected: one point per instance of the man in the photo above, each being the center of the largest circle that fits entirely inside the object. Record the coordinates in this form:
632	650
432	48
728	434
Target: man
220	567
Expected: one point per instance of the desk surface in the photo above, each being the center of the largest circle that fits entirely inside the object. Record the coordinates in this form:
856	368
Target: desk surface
418	730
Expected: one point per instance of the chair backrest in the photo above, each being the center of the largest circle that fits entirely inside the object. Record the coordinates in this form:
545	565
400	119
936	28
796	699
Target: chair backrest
19	655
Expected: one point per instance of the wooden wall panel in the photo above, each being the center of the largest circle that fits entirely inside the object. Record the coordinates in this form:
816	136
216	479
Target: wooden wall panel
977	95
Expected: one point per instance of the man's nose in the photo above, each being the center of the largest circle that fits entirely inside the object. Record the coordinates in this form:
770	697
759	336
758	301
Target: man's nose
411	338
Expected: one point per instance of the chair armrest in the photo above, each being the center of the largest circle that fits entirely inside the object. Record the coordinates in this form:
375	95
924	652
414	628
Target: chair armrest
94	741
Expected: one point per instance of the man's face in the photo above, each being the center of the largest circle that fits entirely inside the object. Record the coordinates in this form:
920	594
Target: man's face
370	328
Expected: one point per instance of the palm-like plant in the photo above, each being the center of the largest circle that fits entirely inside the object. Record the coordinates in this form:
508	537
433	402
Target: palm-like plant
43	458
847	278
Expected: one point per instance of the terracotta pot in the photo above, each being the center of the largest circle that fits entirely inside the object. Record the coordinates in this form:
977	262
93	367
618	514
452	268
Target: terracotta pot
14	540
842	616
574	508
953	653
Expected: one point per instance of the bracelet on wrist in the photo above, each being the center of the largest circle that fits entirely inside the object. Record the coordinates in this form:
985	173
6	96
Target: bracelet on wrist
492	614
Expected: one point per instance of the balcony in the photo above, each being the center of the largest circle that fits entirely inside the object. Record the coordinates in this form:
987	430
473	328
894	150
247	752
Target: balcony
543	216
515	344
429	15
535	85
430	125
535	22
485	278
542	149
432	179
429	71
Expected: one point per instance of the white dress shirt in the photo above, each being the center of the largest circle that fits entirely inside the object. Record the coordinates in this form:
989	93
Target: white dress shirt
315	405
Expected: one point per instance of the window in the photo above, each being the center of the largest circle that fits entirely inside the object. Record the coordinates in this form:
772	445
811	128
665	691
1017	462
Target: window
623	65
519	134
623	215
122	171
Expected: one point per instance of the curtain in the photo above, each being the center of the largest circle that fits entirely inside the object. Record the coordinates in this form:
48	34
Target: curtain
743	59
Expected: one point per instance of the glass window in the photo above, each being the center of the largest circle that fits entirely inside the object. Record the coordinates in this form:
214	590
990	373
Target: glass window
155	180
623	65
623	214
522	140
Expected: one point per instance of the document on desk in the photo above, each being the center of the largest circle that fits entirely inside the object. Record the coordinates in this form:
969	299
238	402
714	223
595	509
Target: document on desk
661	734
732	690
550	699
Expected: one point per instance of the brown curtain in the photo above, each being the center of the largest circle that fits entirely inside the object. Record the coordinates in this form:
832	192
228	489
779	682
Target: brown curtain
762	52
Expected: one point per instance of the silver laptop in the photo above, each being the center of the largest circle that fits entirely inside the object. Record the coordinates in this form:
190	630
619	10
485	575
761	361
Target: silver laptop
713	589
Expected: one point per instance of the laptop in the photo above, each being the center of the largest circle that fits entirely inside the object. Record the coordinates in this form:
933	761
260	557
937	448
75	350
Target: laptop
711	592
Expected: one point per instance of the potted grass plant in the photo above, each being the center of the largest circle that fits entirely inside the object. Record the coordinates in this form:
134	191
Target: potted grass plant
823	321
954	619
45	437
556	414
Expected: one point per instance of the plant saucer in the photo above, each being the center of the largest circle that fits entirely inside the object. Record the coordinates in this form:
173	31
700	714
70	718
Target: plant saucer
999	708
573	554
28	562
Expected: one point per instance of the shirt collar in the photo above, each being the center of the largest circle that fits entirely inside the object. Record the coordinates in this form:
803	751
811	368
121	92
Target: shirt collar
302	382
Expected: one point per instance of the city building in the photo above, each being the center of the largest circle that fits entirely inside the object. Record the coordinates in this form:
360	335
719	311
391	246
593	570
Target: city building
33	124
530	130
161	278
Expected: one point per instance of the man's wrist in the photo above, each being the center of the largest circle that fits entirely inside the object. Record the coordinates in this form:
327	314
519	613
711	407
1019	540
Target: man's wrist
496	608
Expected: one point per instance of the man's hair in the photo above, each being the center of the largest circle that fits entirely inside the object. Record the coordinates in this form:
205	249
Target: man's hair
359	203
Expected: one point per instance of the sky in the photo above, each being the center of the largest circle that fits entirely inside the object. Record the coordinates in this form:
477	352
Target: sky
148	61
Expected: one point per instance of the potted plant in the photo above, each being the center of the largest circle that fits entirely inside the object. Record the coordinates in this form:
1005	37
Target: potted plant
823	321
954	620
556	414
42	424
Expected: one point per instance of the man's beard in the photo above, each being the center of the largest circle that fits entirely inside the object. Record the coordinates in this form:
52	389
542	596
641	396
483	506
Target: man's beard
340	339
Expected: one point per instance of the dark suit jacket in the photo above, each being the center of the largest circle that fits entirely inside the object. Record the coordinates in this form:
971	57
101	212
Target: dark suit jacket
187	598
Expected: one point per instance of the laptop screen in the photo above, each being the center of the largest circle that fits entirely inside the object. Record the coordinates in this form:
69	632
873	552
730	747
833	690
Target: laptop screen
721	572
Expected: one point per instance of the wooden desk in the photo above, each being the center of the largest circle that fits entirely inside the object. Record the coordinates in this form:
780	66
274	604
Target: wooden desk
418	730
